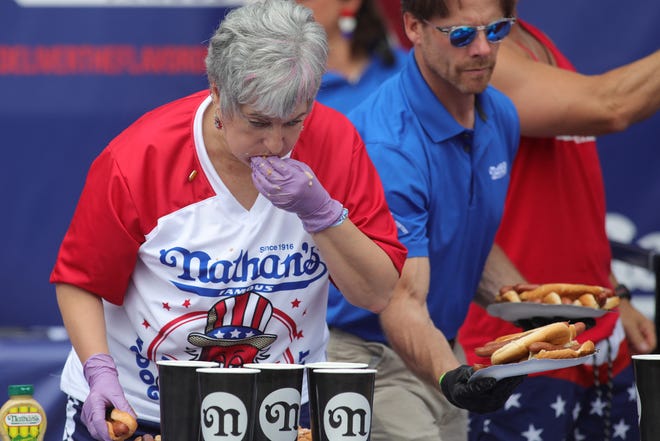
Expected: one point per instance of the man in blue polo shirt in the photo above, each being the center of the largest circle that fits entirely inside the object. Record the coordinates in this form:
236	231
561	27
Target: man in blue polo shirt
443	142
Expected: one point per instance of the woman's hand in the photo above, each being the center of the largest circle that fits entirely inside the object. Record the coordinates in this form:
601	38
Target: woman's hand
105	393
292	186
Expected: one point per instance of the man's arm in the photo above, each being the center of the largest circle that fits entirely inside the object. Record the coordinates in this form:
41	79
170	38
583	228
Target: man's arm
498	271
408	326
553	101
425	350
421	345
640	331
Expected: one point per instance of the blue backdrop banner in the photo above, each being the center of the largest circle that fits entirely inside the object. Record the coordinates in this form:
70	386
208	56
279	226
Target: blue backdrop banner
73	74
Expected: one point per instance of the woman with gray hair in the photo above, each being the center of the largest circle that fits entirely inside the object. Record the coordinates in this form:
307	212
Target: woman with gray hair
209	228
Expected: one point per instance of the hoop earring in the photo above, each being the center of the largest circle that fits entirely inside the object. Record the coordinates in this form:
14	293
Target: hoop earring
347	23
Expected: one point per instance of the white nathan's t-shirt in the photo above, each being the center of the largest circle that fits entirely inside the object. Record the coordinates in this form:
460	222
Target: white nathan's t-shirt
186	272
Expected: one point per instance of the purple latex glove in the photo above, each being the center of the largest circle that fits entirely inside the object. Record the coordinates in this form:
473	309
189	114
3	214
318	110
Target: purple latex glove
292	186
105	392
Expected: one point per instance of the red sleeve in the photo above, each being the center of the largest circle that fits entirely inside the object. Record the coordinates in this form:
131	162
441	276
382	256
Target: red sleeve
100	248
333	148
140	177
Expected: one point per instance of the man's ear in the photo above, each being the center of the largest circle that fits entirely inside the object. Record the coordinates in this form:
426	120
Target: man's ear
413	27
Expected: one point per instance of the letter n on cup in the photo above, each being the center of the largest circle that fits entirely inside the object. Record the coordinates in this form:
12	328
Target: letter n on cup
227	403
179	398
279	393
311	387
344	403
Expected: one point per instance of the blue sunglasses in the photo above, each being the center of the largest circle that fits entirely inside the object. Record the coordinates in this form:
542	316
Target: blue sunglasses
461	36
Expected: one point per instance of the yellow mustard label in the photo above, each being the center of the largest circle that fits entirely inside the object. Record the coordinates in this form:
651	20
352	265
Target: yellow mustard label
22	423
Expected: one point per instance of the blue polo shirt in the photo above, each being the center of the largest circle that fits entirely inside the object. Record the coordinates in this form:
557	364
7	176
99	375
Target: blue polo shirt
343	95
445	186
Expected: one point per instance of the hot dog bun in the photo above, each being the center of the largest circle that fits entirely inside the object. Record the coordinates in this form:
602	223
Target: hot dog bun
562	289
558	333
586	348
304	434
590	296
510	296
611	302
121	425
556	340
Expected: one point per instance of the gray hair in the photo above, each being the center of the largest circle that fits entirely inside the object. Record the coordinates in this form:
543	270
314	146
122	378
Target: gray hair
269	54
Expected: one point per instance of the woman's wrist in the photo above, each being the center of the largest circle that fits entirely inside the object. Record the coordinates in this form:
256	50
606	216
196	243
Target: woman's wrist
342	217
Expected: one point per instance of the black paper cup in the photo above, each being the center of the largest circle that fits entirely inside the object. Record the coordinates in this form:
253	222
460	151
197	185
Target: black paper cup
179	398
227	403
311	387
279	390
344	403
647	381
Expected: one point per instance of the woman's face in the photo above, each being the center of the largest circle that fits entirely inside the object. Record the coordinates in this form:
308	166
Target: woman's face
250	134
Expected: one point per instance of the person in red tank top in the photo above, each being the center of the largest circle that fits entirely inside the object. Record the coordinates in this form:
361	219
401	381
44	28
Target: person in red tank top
553	230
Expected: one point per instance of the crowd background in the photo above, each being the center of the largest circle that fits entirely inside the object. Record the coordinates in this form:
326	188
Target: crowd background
73	74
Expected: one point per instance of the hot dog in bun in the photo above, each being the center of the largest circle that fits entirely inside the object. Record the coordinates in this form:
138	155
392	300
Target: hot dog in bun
304	434
590	296
556	340
121	425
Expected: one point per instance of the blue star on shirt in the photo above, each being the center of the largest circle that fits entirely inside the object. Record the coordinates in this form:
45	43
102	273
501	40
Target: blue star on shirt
597	407
532	433
512	401
576	411
559	406
621	429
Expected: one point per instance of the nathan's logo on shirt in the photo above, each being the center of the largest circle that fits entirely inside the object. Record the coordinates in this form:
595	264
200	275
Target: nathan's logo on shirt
401	228
300	269
235	331
498	171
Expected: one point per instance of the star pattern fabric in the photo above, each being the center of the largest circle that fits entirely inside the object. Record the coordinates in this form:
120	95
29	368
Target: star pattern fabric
597	407
559	406
513	401
549	409
532	433
620	430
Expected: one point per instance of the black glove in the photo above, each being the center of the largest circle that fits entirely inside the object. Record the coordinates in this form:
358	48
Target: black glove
480	396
